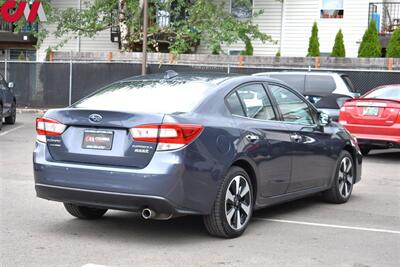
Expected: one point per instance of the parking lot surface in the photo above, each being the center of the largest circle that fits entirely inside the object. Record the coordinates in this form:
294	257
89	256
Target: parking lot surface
309	232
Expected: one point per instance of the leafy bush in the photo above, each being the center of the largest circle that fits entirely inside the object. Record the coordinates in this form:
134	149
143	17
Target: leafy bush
313	46
338	48
248	51
393	49
370	45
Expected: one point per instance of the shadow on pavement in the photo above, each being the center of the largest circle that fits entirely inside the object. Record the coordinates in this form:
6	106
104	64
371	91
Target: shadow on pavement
118	226
392	155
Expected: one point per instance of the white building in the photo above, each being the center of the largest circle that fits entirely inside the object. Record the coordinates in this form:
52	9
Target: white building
289	23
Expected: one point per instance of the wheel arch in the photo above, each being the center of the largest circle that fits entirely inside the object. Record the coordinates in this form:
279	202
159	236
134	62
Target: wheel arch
349	148
250	170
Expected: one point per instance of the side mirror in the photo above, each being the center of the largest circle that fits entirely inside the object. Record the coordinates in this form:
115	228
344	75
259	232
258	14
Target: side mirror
11	85
324	119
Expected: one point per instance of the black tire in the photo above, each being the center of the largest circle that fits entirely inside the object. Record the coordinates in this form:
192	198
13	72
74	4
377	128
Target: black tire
365	150
83	212
216	222
1	116
11	119
342	184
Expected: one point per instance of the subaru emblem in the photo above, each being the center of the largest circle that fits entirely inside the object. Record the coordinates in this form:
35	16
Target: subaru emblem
95	118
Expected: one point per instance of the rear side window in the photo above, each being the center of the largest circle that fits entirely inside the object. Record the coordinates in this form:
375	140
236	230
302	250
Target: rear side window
349	84
149	96
234	105
296	81
256	103
320	84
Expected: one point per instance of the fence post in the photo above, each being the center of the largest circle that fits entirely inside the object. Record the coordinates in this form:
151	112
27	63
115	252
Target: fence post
5	68
70	83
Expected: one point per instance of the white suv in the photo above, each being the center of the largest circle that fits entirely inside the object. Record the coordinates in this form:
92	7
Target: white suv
315	83
326	90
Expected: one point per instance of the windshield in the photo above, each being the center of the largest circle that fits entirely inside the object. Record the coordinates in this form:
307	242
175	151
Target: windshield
148	96
392	92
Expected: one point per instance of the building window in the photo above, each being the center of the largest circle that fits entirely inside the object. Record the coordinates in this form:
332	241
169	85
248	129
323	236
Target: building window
23	54
332	9
242	9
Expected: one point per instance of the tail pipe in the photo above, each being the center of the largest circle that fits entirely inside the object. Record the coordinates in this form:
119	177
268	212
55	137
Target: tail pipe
148	214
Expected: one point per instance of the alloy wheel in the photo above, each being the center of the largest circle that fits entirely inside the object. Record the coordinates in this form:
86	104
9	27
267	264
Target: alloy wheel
346	177
238	203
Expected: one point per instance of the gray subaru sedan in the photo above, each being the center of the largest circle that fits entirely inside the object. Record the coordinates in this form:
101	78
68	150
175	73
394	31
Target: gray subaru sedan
213	145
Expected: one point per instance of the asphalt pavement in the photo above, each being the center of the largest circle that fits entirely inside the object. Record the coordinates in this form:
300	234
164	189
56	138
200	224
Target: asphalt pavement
308	232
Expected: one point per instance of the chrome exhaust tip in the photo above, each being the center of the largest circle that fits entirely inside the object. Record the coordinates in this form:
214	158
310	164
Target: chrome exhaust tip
148	214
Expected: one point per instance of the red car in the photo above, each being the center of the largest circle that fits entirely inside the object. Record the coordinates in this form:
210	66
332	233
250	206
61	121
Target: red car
374	118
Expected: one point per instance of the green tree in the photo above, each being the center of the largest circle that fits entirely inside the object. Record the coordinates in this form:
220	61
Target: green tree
189	22
313	46
393	49
370	45
338	48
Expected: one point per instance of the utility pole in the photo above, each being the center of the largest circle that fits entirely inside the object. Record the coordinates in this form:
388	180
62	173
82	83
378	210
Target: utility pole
145	28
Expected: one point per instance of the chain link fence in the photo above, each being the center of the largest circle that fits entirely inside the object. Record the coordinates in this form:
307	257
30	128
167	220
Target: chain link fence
58	84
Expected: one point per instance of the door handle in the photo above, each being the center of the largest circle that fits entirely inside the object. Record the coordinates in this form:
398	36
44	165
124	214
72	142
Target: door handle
296	138
252	138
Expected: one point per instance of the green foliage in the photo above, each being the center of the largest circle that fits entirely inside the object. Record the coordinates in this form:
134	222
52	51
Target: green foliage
393	49
370	45
248	51
206	20
21	56
313	45
48	52
338	48
278	54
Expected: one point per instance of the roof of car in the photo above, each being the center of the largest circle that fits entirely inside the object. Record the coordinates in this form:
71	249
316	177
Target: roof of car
298	73
208	77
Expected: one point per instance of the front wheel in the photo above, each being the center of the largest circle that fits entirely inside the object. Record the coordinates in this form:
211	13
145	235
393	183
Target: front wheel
233	206
342	185
83	212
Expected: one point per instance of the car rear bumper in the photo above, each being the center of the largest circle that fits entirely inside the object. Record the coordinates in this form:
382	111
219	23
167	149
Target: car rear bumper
379	136
167	186
108	200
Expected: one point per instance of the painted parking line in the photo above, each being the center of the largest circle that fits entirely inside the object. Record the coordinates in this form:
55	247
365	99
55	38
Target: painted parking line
11	130
331	226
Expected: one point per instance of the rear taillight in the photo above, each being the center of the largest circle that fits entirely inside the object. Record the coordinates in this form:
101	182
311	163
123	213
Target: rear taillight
168	136
48	127
342	115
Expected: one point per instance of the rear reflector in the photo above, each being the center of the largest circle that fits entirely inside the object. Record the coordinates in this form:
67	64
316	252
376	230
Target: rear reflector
48	127
168	136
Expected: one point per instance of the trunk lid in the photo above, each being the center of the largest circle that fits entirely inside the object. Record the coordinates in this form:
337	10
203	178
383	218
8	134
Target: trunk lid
103	139
372	111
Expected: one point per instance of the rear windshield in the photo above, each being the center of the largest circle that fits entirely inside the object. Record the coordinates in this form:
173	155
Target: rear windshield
385	93
294	80
148	96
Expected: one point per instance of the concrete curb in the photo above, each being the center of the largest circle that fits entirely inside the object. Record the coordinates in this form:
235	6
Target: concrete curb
31	110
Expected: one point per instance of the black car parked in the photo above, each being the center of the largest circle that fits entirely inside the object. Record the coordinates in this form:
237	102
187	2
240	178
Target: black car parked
8	102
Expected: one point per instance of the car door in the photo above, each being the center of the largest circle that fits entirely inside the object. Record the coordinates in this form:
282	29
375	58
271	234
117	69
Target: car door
264	138
310	145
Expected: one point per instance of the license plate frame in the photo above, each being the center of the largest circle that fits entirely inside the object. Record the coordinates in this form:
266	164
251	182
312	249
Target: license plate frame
97	139
371	111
